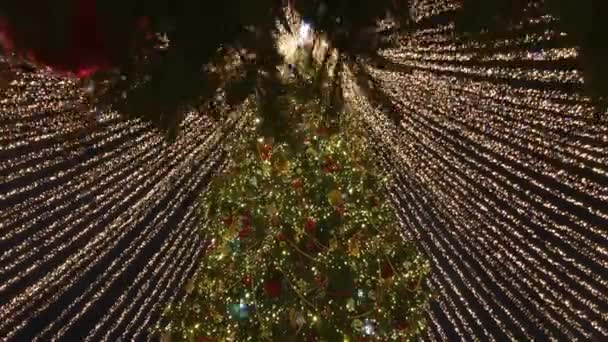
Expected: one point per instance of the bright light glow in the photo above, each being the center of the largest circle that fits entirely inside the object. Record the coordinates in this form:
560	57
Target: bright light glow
305	33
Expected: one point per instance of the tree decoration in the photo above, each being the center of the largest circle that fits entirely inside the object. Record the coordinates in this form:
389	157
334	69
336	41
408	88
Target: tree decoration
318	259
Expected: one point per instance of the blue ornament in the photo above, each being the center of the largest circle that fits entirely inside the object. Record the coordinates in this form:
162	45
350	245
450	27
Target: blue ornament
238	311
235	245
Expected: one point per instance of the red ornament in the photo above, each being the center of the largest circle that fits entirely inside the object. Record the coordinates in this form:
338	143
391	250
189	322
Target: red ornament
387	270
402	325
245	232
329	166
340	210
281	236
266	151
297	184
322	131
311	225
272	288
247	281
228	221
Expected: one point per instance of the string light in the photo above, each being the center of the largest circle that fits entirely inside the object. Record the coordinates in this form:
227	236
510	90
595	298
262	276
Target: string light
120	169
501	184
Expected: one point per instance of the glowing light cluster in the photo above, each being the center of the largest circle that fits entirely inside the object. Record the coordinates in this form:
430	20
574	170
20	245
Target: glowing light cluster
87	195
501	177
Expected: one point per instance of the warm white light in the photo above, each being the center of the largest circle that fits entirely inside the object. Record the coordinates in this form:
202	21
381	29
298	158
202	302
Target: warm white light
305	36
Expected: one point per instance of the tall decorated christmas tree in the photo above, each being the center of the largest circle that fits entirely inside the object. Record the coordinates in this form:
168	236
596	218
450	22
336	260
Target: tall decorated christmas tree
304	246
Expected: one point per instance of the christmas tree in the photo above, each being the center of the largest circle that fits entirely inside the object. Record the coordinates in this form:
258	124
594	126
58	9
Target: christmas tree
303	243
303	246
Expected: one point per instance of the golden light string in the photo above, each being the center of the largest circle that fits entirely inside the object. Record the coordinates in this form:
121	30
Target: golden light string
427	8
512	74
437	244
579	266
165	295
148	300
555	54
65	326
501	184
119	153
459	321
543	170
574	233
438	44
444	253
133	302
79	184
121	191
569	122
564	148
175	241
595	169
501	123
397	201
487	291
52	156
54	178
98	255
487	250
53	195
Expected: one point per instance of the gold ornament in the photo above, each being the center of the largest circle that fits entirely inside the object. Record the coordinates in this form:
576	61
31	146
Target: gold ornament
353	247
282	165
357	324
302	284
217	316
350	305
335	197
226	236
333	244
